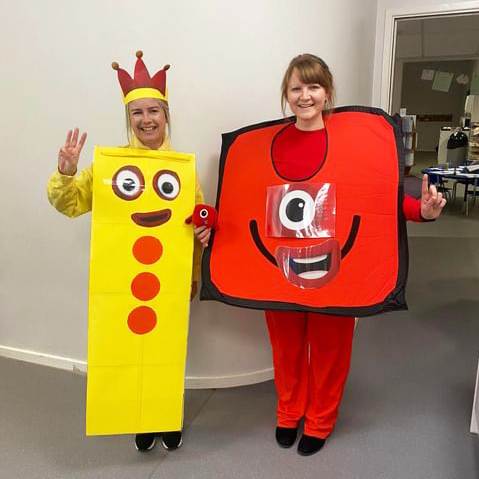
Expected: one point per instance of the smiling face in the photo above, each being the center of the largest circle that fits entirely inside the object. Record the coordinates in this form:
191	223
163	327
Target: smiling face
148	121
307	102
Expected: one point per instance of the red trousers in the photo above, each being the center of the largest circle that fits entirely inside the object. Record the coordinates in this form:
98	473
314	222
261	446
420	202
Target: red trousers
311	357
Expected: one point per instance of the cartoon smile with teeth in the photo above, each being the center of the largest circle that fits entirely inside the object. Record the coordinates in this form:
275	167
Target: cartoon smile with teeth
304	211
331	239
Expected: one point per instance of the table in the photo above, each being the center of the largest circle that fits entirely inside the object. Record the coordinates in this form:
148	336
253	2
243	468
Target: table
460	176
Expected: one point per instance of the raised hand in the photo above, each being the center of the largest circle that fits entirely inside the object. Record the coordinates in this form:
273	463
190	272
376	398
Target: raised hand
432	202
69	153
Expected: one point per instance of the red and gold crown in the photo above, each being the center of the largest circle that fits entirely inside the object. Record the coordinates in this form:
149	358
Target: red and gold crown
142	85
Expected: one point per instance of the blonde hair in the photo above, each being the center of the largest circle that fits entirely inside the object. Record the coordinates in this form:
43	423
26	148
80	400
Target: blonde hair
311	69
166	109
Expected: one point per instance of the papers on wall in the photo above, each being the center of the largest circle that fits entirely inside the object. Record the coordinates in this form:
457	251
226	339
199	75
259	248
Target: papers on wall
475	86
442	81
428	74
462	79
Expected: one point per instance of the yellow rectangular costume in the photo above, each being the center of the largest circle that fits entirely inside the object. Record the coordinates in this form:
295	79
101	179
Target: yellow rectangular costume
140	279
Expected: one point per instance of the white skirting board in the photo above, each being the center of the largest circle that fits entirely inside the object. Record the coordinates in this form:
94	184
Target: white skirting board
475	407
59	362
80	367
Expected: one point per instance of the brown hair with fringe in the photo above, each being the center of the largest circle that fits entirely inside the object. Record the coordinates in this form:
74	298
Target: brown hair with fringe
311	69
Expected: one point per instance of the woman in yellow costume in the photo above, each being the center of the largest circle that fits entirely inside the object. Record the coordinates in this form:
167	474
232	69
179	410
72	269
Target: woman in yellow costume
148	121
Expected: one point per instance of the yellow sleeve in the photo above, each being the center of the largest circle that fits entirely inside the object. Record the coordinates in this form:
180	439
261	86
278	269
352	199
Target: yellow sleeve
71	195
198	249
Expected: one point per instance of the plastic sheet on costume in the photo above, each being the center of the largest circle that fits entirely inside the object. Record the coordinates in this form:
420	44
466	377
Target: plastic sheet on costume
306	210
128	182
310	266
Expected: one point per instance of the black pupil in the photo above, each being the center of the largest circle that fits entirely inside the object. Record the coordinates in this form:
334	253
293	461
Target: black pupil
167	188
129	184
203	213
295	210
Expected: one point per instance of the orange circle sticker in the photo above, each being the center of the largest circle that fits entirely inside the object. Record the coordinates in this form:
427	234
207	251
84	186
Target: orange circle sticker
147	249
142	320
145	286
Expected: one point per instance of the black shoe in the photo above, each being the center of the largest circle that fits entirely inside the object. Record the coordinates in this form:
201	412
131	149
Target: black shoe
171	440
309	445
286	436
145	441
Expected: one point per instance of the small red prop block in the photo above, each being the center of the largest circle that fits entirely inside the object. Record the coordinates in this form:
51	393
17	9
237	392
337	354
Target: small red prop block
203	215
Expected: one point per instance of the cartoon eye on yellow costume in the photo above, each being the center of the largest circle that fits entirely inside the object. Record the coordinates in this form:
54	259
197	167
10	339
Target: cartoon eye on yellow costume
140	279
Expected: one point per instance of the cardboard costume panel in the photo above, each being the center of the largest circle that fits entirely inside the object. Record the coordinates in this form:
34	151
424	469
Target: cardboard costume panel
140	280
357	265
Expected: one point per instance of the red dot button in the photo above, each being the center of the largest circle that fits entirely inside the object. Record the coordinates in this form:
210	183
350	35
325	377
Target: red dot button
142	320
145	286
147	249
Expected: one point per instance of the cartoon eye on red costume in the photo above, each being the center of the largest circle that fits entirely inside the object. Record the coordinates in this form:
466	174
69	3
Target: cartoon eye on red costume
297	210
287	255
128	183
300	210
167	184
303	211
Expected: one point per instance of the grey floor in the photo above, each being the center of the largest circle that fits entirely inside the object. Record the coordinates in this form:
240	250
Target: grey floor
405	413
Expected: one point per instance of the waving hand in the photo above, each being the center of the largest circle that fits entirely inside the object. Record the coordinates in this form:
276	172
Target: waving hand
69	153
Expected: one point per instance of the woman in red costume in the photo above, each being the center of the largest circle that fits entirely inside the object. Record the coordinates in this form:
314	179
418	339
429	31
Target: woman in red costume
312	351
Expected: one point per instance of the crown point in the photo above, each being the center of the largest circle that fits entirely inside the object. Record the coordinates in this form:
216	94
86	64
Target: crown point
115	66
166	67
139	54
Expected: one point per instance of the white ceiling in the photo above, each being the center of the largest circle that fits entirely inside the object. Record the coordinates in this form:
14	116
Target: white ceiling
445	36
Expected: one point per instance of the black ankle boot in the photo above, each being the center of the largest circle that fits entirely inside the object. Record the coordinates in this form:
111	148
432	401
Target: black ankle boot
286	436
145	441
309	445
171	440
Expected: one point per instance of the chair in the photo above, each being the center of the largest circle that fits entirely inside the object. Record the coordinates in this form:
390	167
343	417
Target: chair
474	192
440	184
412	186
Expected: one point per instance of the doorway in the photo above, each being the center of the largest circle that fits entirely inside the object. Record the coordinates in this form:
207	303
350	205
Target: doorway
435	70
430	74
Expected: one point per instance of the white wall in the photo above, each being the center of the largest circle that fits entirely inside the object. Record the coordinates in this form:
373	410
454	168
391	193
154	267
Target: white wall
227	62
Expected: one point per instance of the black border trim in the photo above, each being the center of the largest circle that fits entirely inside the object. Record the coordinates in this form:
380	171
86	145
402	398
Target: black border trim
291	123
253	228
229	138
353	232
395	301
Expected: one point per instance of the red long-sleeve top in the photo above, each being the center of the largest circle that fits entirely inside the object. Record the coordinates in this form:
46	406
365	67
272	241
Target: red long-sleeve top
297	154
